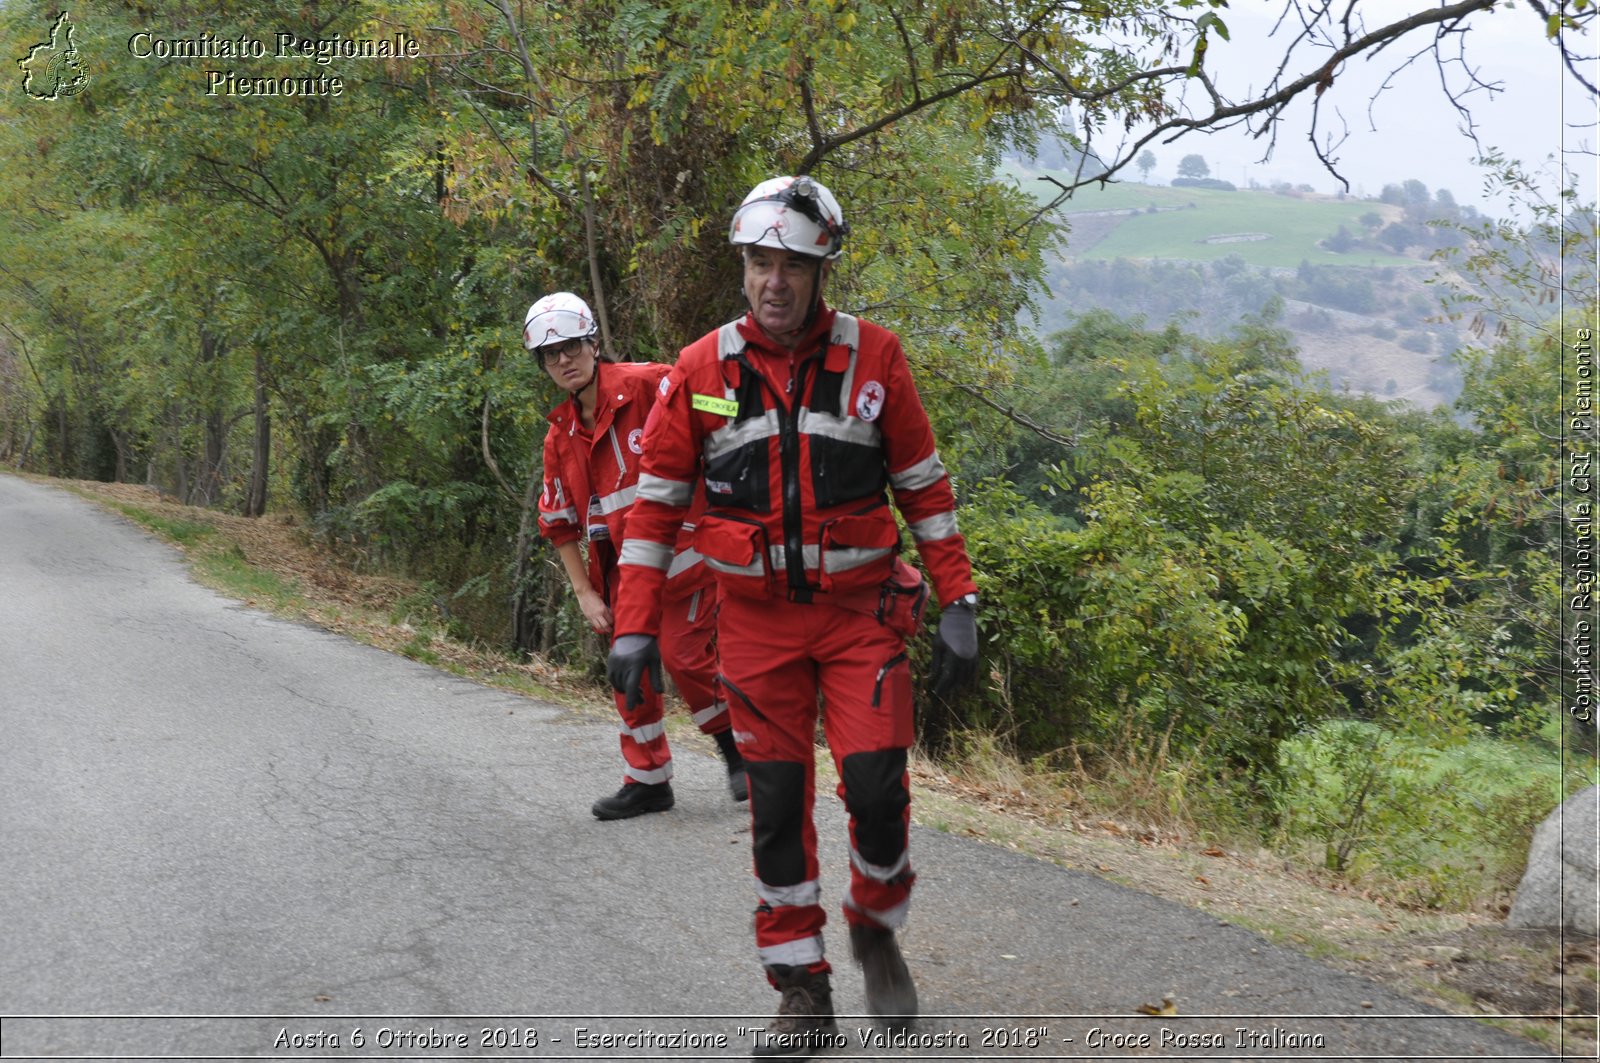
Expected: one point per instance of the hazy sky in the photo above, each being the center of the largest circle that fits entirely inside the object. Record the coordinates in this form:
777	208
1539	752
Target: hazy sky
1411	130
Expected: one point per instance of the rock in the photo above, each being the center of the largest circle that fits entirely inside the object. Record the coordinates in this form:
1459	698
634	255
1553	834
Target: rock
1563	877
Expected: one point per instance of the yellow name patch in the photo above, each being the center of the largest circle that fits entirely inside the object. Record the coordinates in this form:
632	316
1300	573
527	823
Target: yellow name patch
714	404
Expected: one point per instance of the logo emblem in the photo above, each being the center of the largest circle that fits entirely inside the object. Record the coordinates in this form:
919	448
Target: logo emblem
54	68
869	400
665	385
636	440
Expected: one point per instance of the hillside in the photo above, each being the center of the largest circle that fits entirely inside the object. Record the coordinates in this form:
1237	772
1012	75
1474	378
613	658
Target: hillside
1267	229
1365	318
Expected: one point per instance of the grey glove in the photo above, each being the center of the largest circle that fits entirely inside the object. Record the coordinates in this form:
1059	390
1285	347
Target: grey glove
631	656
955	649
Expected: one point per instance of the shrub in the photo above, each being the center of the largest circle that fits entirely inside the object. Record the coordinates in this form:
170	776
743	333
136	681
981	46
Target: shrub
1204	182
1439	824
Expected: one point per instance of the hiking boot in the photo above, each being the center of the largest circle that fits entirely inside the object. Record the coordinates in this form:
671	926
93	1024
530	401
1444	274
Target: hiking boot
805	1012
891	995
738	781
634	799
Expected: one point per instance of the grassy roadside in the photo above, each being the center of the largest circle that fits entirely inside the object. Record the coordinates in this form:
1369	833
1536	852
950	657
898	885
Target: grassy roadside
1464	963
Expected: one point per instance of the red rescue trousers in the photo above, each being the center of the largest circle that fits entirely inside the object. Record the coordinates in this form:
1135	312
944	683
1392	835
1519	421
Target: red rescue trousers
778	658
688	653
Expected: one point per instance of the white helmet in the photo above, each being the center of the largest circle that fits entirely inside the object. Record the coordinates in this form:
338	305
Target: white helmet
557	318
791	213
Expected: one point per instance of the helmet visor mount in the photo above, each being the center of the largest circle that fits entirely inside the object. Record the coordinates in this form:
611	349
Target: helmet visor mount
556	318
765	221
802	196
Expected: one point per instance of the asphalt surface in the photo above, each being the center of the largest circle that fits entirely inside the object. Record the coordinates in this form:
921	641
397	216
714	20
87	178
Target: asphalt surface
231	836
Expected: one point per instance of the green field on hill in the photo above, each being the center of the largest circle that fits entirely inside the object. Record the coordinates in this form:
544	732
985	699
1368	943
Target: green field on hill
1187	218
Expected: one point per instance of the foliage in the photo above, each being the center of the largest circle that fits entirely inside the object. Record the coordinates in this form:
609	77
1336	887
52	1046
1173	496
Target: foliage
1214	530
1441	827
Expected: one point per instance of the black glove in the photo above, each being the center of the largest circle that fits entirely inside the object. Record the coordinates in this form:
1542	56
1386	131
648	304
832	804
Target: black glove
631	656
955	649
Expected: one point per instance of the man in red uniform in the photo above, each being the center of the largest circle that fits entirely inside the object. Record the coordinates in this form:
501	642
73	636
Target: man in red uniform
591	467
795	422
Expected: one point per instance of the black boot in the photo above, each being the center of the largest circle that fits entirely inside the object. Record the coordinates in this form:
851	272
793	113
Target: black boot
891	995
804	1012
738	781
634	799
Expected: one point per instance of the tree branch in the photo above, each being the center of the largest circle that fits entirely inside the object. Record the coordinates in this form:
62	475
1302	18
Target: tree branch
830	145
1011	413
488	454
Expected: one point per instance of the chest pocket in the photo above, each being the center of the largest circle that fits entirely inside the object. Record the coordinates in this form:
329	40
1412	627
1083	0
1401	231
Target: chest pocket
740	478
846	452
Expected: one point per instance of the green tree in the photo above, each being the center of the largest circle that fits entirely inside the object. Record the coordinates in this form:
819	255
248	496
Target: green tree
1398	236
1340	242
1178	527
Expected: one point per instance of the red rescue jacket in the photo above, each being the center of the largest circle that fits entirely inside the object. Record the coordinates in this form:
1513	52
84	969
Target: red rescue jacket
793	453
591	478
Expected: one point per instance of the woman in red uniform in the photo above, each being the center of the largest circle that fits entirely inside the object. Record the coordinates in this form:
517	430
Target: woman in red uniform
591	473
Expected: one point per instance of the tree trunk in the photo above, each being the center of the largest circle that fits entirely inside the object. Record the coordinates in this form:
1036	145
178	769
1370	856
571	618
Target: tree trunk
63	454
208	485
119	441
255	502
524	614
180	464
554	585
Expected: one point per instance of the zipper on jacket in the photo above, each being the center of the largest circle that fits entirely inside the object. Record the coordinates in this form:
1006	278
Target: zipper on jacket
794	557
616	448
793	510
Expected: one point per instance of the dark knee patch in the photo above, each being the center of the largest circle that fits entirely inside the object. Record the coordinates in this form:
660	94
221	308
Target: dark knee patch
777	807
876	795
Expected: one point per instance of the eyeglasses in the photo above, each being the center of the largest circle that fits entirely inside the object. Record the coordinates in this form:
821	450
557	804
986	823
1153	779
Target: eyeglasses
568	351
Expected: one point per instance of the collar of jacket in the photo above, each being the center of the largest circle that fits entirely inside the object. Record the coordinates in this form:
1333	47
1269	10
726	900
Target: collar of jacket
607	399
809	341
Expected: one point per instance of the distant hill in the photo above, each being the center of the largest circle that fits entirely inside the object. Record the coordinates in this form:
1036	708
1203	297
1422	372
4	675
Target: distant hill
1212	257
1203	224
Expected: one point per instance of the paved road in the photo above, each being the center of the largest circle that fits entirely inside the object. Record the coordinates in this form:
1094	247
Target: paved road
229	836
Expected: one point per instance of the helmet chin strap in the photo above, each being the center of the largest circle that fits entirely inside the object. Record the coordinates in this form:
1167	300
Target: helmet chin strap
816	298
